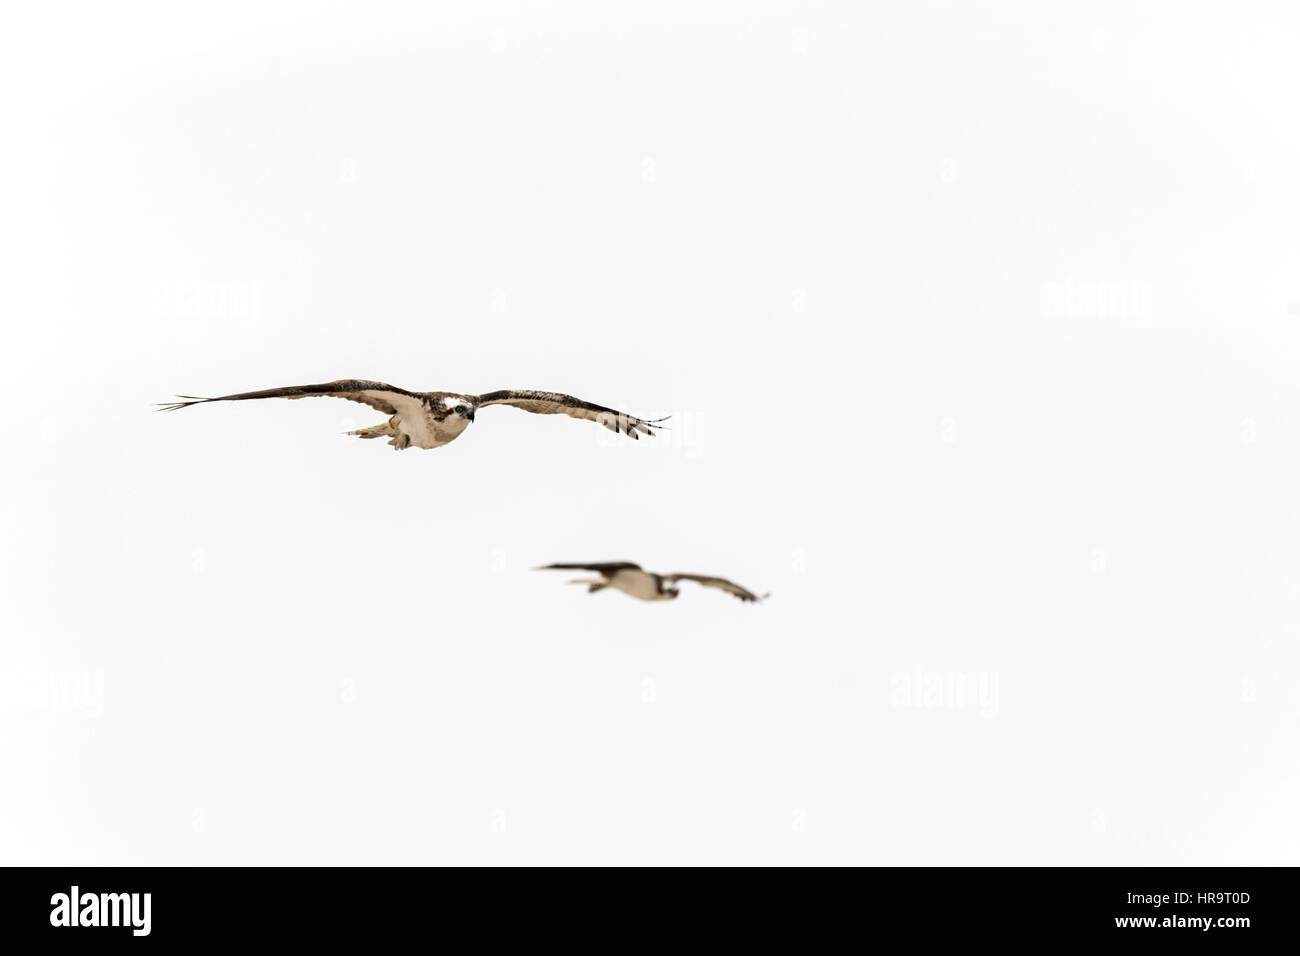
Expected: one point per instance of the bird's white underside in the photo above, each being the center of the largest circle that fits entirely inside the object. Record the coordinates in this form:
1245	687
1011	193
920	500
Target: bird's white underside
414	421
638	584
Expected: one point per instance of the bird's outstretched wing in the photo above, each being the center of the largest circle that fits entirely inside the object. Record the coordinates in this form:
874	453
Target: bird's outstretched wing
605	569
731	587
554	403
386	398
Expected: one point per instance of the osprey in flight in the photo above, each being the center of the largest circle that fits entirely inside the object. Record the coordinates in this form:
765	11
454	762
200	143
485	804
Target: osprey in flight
432	419
646	585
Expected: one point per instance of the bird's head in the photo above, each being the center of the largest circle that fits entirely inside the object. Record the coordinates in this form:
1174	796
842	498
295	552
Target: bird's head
461	407
670	591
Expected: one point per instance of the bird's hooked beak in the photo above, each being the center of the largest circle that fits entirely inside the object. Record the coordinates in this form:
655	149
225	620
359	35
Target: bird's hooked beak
469	412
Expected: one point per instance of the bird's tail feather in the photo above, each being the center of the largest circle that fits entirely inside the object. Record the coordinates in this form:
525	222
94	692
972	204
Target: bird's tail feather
382	430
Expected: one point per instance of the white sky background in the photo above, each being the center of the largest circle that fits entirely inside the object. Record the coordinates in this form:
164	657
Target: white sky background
980	331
